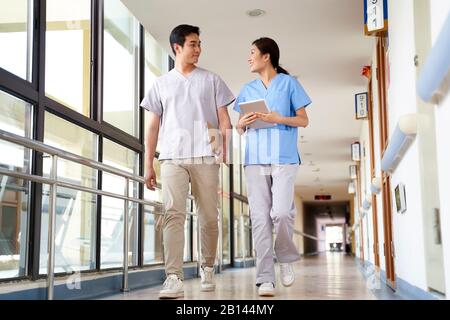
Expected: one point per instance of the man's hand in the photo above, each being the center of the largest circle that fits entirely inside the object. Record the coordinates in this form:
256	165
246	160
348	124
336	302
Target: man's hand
272	117
150	178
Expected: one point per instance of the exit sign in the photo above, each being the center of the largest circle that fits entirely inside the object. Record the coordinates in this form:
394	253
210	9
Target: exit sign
322	197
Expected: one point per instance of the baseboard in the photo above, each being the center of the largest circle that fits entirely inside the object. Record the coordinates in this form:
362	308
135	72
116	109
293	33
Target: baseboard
90	286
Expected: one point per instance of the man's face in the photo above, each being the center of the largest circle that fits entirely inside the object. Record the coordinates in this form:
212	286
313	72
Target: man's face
190	52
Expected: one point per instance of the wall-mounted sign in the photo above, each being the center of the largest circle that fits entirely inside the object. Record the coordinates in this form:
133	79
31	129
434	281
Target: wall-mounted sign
356	151
361	106
353	172
375	17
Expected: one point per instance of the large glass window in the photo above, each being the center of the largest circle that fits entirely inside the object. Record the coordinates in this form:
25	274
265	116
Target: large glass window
15	117
113	209
225	206
68	53
75	210
156	64
16	37
153	223
121	68
236	162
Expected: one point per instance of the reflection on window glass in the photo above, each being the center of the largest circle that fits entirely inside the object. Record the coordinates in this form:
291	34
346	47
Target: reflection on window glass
121	39
156	61
225	206
153	249
113	209
242	233
16	37
236	162
68	53
156	64
15	117
75	210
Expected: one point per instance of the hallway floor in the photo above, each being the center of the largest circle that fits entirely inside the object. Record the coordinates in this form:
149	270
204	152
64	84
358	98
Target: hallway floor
323	277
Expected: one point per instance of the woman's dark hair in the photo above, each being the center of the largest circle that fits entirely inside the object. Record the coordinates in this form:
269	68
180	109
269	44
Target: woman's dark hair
179	33
267	45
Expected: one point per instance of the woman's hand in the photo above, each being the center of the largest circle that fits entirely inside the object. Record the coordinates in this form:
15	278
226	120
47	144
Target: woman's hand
272	117
246	120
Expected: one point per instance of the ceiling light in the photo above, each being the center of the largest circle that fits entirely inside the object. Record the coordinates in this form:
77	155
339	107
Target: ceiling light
255	13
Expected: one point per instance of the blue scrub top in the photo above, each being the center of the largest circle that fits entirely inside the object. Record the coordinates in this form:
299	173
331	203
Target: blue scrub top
278	144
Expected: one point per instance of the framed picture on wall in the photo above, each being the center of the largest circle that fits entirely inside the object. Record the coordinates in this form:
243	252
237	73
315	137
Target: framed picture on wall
361	106
400	198
356	151
353	173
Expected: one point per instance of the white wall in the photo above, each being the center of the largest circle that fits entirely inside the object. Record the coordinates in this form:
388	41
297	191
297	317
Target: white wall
407	227
440	9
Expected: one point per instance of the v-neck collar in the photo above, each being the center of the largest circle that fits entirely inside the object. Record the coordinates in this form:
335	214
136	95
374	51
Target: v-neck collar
182	76
270	83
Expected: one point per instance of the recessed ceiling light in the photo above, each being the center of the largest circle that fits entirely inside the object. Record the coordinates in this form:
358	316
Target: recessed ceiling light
255	13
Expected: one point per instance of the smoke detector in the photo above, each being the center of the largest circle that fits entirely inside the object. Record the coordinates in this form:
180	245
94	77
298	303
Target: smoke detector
255	13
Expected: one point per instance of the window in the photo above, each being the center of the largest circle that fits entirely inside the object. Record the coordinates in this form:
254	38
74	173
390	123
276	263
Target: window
68	53
75	210
236	162
153	250
16	37
225	206
156	64
113	209
121	68
15	117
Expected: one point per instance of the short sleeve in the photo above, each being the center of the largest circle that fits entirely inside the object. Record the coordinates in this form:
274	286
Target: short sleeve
299	97
152	100
223	94
239	100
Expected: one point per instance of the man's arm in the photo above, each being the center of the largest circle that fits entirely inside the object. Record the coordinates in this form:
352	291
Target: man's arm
151	140
225	129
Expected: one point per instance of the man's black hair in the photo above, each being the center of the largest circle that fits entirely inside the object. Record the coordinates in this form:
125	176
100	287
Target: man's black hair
179	33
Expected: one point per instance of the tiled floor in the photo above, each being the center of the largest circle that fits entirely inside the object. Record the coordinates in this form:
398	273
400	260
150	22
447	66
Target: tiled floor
328	276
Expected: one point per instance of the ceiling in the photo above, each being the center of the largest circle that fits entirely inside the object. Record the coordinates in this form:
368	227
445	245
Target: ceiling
322	42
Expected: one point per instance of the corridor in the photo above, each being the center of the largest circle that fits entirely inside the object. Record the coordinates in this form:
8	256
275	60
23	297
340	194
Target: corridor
138	136
327	276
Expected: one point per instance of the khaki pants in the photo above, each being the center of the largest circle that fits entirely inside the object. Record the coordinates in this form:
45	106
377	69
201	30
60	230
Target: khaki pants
203	173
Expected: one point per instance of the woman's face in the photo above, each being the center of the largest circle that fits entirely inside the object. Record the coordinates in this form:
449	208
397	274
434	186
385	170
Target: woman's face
257	60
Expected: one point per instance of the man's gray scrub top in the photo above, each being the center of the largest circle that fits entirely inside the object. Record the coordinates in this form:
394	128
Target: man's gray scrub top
186	105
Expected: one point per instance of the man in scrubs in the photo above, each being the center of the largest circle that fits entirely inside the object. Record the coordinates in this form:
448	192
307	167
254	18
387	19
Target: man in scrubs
183	105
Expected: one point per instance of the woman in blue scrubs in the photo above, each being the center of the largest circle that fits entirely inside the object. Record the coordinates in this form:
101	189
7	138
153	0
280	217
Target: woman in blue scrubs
271	162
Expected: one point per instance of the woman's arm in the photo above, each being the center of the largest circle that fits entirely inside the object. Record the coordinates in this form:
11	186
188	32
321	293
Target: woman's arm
299	120
244	121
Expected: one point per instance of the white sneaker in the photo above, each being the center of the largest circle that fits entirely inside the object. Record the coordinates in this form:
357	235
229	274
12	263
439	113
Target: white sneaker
266	289
207	275
287	274
172	288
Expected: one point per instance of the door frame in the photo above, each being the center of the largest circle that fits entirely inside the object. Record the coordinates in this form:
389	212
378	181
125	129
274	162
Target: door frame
376	251
389	250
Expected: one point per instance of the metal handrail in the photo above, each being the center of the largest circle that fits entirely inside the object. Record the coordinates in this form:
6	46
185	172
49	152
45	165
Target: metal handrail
297	232
53	181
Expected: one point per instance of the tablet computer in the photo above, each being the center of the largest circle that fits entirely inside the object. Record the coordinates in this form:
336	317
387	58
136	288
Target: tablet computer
257	106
